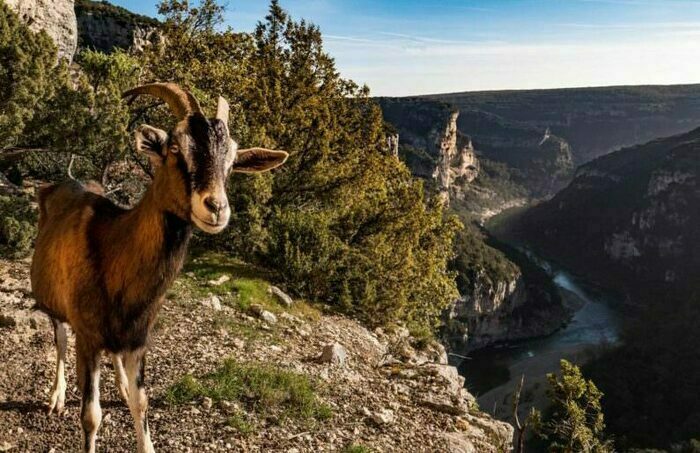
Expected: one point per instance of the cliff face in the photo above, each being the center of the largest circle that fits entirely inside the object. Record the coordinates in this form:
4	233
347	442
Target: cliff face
499	299
540	162
56	17
106	27
628	220
481	160
595	121
429	142
503	297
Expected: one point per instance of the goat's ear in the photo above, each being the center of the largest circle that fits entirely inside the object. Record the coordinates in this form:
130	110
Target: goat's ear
151	142
256	160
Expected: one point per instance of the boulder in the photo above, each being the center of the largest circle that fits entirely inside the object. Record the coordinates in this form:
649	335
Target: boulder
383	417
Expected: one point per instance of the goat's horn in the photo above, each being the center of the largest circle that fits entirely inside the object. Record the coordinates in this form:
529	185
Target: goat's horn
181	102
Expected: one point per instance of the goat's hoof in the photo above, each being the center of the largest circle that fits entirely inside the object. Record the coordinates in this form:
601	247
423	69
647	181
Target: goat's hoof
56	408
57	404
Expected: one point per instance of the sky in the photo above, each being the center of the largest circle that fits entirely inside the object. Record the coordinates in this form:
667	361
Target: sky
410	47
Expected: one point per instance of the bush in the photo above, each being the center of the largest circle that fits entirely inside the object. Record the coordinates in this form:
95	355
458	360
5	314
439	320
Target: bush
17	226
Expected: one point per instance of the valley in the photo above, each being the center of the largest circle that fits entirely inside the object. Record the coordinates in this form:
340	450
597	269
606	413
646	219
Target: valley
580	243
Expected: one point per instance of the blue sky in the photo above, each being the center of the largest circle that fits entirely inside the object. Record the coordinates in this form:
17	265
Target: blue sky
405	47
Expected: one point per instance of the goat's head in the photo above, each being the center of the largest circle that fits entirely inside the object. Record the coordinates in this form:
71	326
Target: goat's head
202	151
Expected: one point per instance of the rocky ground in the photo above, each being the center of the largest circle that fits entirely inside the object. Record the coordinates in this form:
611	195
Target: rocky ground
378	392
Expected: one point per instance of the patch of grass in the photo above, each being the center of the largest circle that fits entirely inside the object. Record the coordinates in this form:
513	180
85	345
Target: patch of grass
263	389
248	285
186	389
241	423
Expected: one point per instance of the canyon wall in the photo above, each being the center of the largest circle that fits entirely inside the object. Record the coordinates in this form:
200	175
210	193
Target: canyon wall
595	121
628	220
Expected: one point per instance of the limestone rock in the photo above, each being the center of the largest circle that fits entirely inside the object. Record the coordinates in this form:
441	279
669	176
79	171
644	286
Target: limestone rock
444	405
281	296
106	28
383	417
56	17
219	281
334	353
212	302
263	314
268	317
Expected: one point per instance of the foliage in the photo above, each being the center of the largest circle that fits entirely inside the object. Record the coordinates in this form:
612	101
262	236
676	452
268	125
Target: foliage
264	389
475	261
27	68
17	226
342	222
48	114
575	421
356	448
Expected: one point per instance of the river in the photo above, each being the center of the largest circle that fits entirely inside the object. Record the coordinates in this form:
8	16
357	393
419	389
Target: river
594	323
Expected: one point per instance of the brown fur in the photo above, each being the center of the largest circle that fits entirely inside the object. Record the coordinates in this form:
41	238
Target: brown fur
104	269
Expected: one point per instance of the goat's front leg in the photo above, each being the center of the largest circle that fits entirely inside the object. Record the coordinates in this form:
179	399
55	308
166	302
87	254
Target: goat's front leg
58	392
135	363
89	383
120	377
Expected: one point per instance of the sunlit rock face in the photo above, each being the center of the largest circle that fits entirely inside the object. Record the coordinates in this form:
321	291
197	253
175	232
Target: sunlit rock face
629	220
55	17
451	148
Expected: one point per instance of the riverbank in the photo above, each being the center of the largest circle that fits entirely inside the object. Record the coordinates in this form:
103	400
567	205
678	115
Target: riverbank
493	373
497	401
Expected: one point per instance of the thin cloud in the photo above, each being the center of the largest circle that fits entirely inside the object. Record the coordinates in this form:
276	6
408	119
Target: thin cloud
645	2
633	26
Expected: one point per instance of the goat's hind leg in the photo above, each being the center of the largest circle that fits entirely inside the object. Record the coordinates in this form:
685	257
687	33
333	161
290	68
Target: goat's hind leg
58	392
135	363
89	383
120	377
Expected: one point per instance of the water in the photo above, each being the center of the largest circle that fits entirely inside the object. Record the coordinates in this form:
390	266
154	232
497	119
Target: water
593	324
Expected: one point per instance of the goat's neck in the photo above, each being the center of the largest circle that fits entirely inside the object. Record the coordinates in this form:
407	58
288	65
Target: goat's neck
153	239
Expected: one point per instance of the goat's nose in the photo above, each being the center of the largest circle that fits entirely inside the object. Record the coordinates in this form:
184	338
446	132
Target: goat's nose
215	205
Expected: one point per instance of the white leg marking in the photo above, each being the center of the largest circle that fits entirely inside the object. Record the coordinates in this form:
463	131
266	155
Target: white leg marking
120	377
138	400
58	392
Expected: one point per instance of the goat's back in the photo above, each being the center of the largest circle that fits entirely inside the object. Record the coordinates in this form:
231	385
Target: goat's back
61	252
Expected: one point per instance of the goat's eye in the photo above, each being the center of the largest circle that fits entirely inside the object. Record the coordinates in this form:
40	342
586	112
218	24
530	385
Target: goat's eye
174	149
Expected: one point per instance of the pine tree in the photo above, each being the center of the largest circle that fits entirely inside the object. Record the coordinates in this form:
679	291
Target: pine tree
575	421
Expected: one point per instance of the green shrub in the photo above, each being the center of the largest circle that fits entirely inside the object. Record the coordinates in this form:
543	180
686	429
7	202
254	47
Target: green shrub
18	220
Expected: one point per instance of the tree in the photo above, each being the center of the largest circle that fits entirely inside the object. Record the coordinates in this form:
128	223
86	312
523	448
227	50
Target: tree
343	221
27	68
575	421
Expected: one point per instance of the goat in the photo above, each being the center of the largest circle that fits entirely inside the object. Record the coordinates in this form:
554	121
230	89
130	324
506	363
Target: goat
103	269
